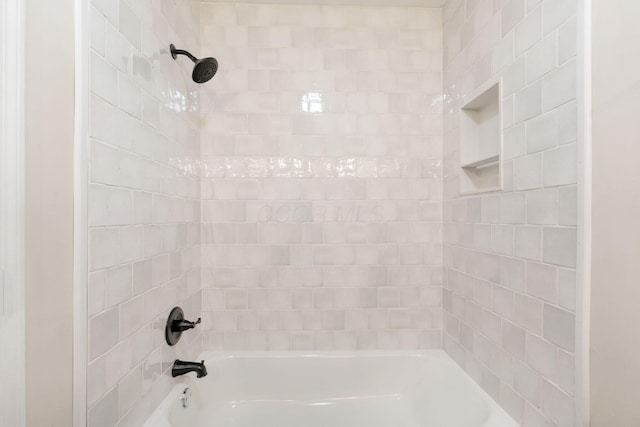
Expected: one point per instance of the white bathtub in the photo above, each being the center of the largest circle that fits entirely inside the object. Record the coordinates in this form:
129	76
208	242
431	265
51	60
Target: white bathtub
361	389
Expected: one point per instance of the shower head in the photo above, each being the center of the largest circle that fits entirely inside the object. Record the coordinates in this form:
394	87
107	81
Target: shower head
204	69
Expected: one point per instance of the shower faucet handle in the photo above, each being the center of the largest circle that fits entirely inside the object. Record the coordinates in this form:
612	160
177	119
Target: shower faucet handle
181	325
176	325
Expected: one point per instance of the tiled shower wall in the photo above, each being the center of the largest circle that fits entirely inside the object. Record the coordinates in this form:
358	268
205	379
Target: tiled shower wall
321	145
144	203
510	257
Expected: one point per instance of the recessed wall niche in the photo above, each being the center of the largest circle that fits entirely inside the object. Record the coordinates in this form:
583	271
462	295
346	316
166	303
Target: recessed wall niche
481	140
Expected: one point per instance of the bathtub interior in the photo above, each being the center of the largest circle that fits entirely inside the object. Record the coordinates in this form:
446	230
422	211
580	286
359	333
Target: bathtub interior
337	390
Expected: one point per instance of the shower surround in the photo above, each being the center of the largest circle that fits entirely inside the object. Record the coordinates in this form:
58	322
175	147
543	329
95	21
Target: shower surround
321	148
144	204
307	197
510	257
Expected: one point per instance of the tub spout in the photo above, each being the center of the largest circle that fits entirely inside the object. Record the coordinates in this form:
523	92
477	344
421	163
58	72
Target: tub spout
180	368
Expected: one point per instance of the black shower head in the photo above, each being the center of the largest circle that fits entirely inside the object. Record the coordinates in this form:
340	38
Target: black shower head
204	69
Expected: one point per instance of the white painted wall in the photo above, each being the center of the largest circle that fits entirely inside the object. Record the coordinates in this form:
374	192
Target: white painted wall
12	381
615	317
49	134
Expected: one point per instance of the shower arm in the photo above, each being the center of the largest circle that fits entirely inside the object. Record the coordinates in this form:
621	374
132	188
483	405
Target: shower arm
175	52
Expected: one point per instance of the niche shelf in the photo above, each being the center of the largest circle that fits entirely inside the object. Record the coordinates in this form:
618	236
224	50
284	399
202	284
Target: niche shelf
481	140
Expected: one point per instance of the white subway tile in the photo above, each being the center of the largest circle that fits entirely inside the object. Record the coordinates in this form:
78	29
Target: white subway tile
514	142
542	132
103	79
528	243
567	40
512	402
526	381
502	239
528	102
131	315
491	209
118	285
542	207
560	86
567	123
512	13
491	326
528	313
542	281
103	332
118	49
567	289
542	356
129	96
542	58
527	172
96	293
109	9
97	26
130	24
503	302
559	327
534	418
512	273
105	412
96	385
104	244
130	390
560	166
557	405
529	31
513	208
560	246
556	12
567	370
514	77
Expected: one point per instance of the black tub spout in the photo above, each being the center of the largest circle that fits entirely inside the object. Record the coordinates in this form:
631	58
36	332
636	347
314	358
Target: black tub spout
180	368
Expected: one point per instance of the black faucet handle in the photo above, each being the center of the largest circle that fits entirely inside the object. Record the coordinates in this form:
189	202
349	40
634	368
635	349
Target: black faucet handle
183	325
176	325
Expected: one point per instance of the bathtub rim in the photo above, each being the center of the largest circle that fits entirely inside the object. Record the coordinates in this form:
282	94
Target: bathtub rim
498	416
